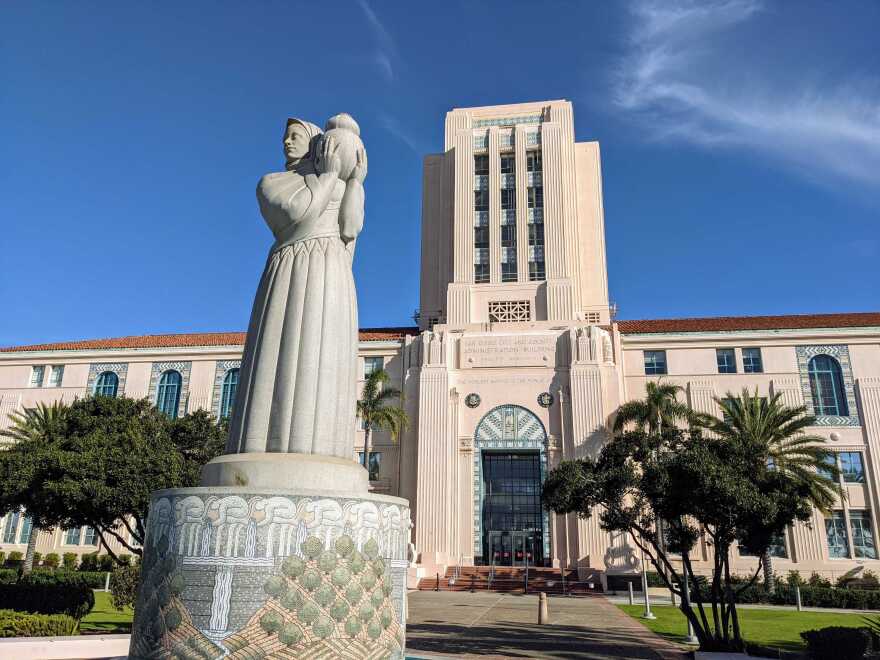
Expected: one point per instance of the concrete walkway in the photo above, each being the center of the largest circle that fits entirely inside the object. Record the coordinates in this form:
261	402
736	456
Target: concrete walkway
490	626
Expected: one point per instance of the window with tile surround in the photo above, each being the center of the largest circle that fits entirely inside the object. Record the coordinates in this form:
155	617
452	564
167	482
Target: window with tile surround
37	374
726	359
481	236
56	374
835	534
752	363
168	393
375	464
826	386
655	363
862	534
106	384
510	311
228	392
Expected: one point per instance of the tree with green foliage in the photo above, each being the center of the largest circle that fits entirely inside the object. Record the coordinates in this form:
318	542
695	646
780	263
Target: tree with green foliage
657	411
104	460
715	488
777	435
31	430
376	410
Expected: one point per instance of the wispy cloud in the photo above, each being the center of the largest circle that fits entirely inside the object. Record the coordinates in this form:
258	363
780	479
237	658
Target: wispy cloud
393	126
385	51
679	84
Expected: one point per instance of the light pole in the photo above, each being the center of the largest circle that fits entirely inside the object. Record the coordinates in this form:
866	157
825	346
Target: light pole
686	598
647	614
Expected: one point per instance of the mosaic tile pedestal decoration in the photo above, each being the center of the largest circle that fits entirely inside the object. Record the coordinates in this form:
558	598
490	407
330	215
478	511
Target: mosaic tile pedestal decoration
238	573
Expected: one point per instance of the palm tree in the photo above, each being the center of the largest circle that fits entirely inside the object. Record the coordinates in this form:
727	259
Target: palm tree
377	412
777	433
658	410
34	425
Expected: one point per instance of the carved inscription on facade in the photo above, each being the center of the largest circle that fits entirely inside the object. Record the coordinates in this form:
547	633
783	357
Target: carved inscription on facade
507	351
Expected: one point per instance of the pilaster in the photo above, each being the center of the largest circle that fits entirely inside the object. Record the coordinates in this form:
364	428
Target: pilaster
464	206
522	227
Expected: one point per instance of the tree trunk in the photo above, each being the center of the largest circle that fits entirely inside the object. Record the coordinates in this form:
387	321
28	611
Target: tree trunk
28	565
367	434
769	580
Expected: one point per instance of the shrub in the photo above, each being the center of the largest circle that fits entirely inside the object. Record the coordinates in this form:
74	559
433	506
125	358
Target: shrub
92	580
2	557
124	585
38	557
794	579
51	560
69	560
8	575
837	642
124	560
817	580
15	556
89	562
21	624
75	600
106	563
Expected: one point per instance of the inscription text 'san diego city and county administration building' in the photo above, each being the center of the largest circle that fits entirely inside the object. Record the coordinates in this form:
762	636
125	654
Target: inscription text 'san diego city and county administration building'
517	364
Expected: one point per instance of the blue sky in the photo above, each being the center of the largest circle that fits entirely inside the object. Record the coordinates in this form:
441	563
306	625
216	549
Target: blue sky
740	143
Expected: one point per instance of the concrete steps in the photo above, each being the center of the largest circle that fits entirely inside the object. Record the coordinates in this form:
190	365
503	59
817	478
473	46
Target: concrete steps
510	580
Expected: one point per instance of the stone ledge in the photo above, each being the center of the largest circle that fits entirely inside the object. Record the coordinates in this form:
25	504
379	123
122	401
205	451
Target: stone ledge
79	647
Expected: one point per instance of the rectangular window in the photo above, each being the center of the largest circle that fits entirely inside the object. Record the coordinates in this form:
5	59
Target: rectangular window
25	534
752	363
862	536
90	536
536	251
835	532
508	199
726	358
375	463
776	548
72	536
533	161
11	526
372	364
37	374
481	164
536	197
851	467
655	363
55	375
508	165
831	461
481	273
481	200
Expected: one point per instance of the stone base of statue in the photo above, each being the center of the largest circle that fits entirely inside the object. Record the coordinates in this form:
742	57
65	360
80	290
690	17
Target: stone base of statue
244	572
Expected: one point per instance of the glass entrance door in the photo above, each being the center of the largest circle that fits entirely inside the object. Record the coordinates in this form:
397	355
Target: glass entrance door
512	513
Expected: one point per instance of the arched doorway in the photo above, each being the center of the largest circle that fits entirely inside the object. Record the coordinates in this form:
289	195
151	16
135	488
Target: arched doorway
510	461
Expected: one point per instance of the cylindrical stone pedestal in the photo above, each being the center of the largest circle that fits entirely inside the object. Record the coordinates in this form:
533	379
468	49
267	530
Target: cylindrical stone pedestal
241	573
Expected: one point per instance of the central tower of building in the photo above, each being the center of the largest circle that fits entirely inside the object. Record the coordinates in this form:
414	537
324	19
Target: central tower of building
515	367
512	220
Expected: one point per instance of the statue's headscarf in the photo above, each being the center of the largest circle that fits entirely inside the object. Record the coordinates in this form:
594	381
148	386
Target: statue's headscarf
311	129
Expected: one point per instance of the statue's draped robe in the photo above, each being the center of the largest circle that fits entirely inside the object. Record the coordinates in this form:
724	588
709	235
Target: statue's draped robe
297	388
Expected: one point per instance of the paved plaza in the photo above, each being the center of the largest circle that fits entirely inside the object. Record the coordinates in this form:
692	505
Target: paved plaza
491	625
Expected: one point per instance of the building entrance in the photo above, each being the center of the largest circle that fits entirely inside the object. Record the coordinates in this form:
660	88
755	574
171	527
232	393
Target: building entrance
512	514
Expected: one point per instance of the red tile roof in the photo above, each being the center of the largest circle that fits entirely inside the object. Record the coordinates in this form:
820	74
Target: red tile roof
728	323
184	340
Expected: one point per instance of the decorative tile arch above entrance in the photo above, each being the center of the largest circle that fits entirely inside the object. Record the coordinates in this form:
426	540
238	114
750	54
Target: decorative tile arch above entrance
507	428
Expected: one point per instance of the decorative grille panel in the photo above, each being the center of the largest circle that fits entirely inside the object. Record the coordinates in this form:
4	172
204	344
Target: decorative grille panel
510	311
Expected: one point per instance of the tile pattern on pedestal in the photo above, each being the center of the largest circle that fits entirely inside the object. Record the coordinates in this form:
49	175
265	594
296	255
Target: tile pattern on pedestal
252	575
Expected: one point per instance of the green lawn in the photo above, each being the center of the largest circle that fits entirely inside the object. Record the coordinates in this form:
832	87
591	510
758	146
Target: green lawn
779	628
105	618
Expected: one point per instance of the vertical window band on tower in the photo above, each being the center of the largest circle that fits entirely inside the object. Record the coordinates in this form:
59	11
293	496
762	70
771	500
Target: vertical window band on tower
481	223
535	196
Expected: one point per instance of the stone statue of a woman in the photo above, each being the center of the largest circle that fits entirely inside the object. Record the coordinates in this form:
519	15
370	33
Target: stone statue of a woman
297	388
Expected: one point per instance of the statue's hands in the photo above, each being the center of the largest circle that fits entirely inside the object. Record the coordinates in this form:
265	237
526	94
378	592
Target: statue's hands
330	156
359	173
